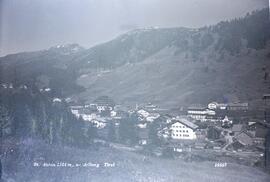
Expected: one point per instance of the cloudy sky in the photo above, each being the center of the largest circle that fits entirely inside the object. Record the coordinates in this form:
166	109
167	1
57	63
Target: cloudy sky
27	25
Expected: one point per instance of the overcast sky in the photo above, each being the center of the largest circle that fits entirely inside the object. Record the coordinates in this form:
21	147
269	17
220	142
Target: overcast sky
27	25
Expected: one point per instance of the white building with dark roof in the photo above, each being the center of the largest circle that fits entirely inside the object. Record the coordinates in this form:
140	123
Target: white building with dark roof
183	128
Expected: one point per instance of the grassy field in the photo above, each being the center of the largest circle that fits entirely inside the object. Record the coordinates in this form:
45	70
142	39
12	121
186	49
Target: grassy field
123	166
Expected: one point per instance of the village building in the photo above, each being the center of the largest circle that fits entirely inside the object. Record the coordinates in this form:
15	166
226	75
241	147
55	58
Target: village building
200	114
152	117
150	106
104	103
149	116
143	113
142	125
88	117
75	110
244	138
183	128
237	106
100	124
213	105
217	106
226	122
212	118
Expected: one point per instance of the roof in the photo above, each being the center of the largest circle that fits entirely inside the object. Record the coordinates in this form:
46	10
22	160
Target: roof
185	122
244	138
237	127
166	116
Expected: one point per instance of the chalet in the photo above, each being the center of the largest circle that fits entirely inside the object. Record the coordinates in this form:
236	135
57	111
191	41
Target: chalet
183	128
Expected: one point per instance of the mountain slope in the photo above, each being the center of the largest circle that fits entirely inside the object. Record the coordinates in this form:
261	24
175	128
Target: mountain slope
170	66
223	62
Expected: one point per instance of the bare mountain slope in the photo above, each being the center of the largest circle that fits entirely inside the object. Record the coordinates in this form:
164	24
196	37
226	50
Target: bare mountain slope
169	79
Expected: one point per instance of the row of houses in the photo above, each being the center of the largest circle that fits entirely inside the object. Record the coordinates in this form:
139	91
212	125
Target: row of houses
174	127
214	111
97	112
197	126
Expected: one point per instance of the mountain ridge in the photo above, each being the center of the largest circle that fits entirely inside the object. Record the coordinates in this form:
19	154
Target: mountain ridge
167	66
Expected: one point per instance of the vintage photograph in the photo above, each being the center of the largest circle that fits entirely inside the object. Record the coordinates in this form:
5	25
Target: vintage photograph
134	91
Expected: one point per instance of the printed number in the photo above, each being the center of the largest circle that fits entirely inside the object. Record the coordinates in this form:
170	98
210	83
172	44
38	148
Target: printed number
224	164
